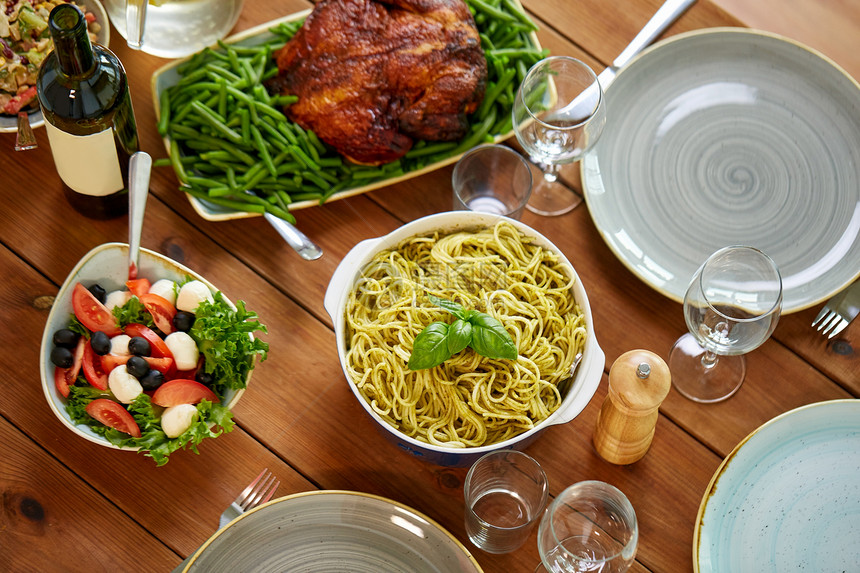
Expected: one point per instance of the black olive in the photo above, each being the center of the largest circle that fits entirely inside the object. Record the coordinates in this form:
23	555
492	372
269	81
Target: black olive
152	380
139	346
204	377
183	321
62	357
66	337
99	293
137	367
100	343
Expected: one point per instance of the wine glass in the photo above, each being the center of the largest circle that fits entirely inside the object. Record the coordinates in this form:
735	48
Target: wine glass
590	526
731	307
558	114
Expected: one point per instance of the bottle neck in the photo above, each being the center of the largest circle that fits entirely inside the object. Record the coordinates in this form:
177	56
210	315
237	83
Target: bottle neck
71	42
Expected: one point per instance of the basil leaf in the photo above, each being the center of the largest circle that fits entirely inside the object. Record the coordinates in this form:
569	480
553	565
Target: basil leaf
459	336
451	306
490	339
430	347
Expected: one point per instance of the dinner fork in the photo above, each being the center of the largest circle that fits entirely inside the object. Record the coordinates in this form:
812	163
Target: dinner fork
839	311
258	491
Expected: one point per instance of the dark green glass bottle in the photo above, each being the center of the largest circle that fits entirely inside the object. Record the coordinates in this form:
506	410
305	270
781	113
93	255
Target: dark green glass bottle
83	93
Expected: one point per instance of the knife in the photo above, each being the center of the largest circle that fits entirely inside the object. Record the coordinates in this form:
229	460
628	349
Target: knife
662	19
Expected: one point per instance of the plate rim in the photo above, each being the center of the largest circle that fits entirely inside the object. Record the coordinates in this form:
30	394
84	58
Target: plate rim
334	492
722	468
686	36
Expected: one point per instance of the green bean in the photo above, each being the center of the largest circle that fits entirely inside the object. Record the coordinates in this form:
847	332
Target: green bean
491	11
519	14
264	151
215	121
164	107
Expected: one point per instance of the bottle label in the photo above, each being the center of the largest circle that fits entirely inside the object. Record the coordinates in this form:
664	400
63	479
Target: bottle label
88	164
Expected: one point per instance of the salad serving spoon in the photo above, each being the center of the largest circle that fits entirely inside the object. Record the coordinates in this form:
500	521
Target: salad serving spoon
139	168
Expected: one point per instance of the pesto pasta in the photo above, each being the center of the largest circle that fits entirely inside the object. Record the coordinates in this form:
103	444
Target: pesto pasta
468	400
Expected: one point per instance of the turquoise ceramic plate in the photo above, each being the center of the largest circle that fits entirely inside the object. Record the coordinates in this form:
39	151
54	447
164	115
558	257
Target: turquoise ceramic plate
332	531
731	136
788	497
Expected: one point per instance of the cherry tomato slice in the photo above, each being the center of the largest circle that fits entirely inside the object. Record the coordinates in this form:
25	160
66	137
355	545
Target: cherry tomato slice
65	377
159	348
93	314
163	364
181	391
113	416
161	310
95	374
138	287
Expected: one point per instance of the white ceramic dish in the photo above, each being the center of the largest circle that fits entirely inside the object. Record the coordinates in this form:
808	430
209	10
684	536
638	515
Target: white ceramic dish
329	531
9	124
167	76
731	136
788	497
106	264
582	389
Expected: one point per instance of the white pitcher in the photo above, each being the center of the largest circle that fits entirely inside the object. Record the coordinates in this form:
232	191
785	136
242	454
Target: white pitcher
173	28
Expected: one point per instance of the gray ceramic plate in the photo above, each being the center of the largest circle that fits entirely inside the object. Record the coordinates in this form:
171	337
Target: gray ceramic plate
9	124
731	136
333	531
788	497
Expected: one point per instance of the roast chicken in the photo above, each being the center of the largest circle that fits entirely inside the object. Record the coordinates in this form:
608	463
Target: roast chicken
373	76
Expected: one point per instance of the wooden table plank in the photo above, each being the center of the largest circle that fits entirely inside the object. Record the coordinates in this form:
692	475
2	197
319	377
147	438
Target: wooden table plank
49	515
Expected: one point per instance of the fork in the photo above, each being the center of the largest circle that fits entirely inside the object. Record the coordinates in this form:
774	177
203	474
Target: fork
258	491
839	311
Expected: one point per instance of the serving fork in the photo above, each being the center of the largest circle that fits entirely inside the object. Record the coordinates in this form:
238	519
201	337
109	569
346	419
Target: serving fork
839	311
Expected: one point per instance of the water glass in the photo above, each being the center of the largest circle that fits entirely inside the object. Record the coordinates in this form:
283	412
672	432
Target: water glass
590	526
492	179
505	493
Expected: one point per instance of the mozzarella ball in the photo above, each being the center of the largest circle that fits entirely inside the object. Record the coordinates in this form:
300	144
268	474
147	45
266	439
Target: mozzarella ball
166	289
184	350
117	298
176	419
119	345
123	385
191	295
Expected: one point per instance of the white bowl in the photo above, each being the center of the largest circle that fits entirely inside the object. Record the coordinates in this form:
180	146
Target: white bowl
107	265
586	379
9	124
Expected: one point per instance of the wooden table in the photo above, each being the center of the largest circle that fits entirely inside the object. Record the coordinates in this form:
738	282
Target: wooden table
69	505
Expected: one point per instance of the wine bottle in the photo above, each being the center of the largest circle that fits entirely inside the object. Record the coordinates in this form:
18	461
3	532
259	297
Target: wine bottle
84	96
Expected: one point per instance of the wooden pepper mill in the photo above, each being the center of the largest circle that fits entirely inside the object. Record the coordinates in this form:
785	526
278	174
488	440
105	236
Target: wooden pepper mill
639	381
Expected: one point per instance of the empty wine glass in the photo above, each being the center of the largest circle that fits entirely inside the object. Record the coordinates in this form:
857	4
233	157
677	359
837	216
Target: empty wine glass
731	307
590	526
558	114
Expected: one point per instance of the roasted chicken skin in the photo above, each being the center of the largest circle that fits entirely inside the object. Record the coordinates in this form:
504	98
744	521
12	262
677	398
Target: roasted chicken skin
372	76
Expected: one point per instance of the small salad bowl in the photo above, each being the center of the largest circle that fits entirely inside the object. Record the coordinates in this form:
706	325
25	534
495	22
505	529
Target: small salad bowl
107	265
9	123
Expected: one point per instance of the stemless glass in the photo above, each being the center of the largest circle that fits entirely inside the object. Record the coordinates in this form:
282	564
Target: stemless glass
731	307
590	526
558	114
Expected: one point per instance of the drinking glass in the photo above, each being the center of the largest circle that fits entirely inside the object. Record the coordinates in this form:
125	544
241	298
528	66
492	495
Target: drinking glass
590	526
505	492
492	179
558	115
731	307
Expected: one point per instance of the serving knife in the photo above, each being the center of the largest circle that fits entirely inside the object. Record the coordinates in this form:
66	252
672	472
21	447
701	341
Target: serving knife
670	11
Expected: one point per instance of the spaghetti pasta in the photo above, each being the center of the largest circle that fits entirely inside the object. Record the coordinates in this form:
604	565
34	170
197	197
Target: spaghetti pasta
468	400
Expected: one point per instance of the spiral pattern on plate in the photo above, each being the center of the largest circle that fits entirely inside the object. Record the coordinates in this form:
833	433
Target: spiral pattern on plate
728	137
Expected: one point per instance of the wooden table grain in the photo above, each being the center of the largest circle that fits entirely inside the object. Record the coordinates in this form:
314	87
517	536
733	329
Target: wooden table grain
69	505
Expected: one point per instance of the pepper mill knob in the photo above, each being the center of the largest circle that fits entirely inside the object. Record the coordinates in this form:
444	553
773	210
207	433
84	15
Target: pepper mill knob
639	381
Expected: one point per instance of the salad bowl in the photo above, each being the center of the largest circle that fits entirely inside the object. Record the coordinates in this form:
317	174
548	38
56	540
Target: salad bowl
107	265
587	372
9	123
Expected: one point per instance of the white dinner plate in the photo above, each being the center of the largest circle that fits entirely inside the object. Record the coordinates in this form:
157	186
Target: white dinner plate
333	531
731	136
788	497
